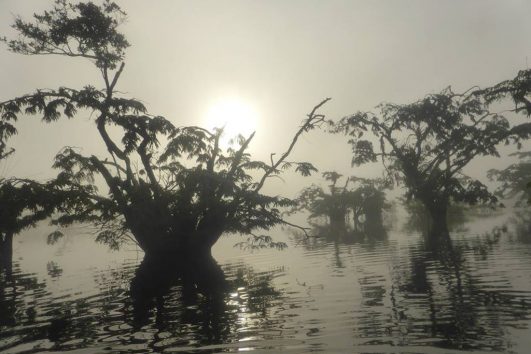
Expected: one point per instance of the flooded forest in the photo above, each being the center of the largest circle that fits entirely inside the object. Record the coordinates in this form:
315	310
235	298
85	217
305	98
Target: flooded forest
284	176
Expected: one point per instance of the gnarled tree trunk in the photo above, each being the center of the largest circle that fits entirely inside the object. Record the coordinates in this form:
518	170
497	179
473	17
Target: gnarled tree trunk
162	236
186	248
438	213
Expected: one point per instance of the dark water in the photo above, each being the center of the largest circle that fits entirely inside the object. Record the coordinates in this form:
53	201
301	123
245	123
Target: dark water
394	293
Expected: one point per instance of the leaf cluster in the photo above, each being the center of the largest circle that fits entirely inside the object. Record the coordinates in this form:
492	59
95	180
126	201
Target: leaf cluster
75	30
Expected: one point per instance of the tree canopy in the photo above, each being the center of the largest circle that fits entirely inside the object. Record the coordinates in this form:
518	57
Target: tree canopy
168	187
426	144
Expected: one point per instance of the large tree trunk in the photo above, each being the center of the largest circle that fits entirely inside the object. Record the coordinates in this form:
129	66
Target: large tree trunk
6	251
159	235
181	249
186	248
438	212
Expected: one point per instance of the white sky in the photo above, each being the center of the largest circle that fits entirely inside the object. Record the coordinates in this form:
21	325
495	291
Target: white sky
281	57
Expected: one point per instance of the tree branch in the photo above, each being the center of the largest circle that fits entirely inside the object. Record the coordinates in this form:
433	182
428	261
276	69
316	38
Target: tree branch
309	123
113	186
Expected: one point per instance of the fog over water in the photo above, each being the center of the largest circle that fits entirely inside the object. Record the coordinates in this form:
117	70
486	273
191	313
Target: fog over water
392	294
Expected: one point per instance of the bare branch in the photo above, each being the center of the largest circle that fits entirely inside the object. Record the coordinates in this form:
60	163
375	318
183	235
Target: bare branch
308	124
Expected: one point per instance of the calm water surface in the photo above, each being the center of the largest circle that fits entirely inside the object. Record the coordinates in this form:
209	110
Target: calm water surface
395	293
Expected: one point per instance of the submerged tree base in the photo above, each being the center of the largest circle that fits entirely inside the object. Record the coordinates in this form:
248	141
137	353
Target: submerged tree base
158	273
438	227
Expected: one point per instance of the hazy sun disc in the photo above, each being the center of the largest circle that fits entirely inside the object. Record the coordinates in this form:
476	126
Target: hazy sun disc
235	115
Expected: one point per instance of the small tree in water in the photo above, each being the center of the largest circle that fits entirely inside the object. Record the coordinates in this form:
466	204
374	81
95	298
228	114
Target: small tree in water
23	202
168	205
426	144
360	197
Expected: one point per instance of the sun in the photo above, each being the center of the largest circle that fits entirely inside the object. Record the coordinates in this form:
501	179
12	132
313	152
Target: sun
234	115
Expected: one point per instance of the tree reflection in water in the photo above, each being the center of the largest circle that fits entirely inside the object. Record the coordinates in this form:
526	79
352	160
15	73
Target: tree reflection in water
18	294
339	294
216	306
159	309
439	296
370	235
437	293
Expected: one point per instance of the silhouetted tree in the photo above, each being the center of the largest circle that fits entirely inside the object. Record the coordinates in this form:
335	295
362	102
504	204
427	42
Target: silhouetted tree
22	204
360	197
426	144
168	205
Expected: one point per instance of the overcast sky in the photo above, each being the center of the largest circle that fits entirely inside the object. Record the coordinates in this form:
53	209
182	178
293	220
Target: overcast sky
280	58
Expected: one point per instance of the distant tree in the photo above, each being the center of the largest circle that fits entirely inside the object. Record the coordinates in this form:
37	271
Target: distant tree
426	144
173	200
22	202
372	206
515	179
361	197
